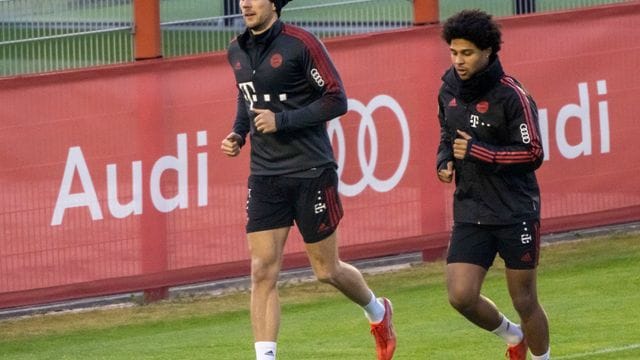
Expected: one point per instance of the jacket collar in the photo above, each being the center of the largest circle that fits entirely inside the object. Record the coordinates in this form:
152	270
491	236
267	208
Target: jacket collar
247	39
478	85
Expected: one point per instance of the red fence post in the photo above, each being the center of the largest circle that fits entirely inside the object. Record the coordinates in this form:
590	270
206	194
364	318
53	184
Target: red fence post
148	45
153	224
426	12
147	36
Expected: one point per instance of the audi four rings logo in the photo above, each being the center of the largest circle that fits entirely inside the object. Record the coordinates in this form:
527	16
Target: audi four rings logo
524	131
317	77
368	162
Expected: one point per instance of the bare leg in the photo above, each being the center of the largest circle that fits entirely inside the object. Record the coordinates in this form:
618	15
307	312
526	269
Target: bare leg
266	248
524	295
328	268
464	282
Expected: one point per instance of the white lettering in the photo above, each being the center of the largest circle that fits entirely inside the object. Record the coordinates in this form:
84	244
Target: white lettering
179	164
135	205
203	171
543	122
603	112
76	163
580	112
88	197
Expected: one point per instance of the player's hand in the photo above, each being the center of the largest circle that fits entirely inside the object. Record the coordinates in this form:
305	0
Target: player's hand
446	175
460	145
231	144
265	121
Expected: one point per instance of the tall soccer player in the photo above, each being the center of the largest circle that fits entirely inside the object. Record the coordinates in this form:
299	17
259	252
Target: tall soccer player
288	90
490	143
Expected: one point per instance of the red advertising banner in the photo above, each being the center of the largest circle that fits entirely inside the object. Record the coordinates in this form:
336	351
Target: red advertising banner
112	179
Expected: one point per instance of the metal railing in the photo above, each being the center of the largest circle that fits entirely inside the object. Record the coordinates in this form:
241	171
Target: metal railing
48	35
39	36
329	19
500	8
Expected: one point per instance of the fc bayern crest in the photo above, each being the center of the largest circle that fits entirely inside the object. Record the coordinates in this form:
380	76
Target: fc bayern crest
482	106
276	60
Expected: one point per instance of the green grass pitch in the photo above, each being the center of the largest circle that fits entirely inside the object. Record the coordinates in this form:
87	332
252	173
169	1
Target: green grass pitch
589	288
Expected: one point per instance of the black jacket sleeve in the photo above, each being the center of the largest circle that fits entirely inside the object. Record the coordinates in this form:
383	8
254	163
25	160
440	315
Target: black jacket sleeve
241	125
445	148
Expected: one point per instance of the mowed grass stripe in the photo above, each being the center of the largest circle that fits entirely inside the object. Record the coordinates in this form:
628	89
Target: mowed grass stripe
590	289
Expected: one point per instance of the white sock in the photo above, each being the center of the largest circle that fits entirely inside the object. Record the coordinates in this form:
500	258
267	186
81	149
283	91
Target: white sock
545	356
510	332
265	350
374	310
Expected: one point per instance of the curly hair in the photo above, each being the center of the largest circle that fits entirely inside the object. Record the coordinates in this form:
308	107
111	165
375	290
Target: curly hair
475	26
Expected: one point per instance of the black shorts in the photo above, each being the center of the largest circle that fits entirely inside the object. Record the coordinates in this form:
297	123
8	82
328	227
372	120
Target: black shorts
277	201
518	244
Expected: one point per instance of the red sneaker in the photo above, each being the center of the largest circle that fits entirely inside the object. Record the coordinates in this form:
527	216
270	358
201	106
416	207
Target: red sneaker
518	351
384	334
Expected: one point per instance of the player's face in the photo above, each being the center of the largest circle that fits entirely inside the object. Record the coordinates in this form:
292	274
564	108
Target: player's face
467	59
258	15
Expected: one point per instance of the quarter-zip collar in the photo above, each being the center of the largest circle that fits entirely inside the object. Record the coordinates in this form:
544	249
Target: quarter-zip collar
256	45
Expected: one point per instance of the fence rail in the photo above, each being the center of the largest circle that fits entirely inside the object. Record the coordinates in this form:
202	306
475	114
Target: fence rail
50	35
42	36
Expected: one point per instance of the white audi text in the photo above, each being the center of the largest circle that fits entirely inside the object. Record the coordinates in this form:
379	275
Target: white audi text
76	164
582	113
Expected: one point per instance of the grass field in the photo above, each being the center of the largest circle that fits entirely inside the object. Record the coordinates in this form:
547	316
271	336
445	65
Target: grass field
590	289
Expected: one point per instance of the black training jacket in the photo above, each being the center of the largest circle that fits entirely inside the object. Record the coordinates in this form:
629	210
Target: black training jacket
495	183
288	71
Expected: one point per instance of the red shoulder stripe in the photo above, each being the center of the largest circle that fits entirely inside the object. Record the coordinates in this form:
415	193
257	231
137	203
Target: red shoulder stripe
317	53
514	157
528	113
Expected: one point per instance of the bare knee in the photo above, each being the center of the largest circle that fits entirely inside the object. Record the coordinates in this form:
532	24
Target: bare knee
462	301
264	272
331	273
525	304
464	282
326	275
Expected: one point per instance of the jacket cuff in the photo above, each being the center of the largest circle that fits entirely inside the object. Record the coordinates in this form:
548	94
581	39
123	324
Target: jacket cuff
442	164
470	144
281	121
239	138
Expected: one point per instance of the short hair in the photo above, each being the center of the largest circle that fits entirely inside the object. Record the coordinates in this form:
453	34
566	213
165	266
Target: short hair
475	26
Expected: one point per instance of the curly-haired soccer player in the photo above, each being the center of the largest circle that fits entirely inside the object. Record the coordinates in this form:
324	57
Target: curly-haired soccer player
490	143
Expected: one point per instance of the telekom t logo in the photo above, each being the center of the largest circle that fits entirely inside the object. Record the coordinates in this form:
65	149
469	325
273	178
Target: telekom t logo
474	120
249	92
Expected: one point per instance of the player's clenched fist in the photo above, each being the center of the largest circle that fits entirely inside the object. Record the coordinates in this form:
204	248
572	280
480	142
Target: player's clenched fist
446	175
265	121
460	145
231	144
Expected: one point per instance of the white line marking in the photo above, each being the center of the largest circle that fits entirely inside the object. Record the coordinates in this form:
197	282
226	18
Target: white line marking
598	352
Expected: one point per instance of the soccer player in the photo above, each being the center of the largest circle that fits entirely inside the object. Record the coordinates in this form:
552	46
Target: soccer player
490	143
288	90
